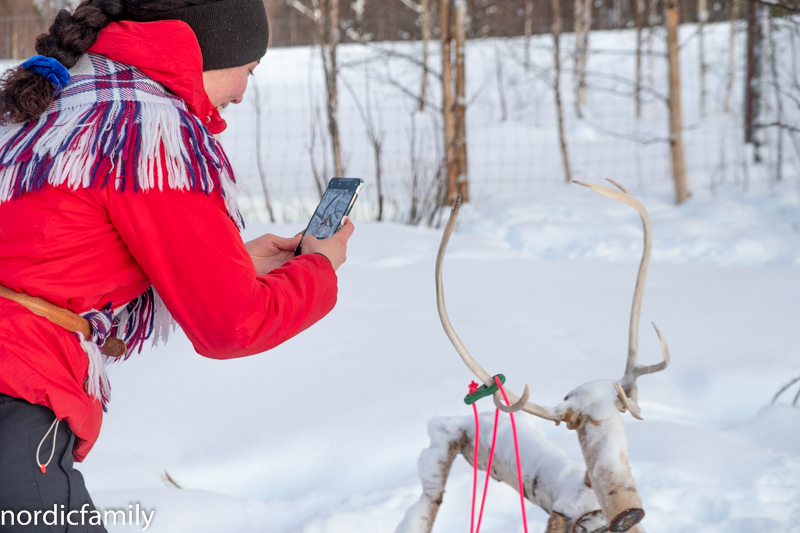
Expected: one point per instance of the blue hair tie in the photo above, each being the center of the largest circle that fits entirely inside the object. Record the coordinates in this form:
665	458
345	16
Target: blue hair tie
50	68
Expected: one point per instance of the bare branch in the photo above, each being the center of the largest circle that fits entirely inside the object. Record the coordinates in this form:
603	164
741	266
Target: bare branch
781	125
313	14
417	8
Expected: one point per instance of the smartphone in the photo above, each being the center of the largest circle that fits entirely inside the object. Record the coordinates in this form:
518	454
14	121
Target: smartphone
336	204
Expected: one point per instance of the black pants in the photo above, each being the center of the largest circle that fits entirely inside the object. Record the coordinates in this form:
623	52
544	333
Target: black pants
23	487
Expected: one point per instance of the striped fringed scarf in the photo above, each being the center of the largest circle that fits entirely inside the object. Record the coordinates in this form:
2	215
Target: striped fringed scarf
108	126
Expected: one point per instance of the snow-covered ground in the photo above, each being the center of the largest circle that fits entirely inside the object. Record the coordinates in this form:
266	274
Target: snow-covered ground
322	434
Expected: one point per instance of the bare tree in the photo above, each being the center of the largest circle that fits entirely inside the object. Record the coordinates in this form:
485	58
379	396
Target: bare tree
501	92
776	84
528	33
583	25
319	174
427	186
375	134
325	16
702	17
261	171
448	109
557	87
640	8
461	100
671	19
426	38
755	13
735	13
652	21
424	10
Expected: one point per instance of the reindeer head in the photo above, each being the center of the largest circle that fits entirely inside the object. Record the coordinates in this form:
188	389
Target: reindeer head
592	409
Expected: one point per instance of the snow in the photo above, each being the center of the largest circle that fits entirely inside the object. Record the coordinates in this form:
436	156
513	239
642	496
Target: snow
323	434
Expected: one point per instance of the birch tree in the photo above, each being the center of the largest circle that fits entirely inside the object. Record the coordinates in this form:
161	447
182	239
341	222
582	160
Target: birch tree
702	17
325	16
753	79
583	25
734	17
528	33
461	100
424	10
671	19
557	87
448	110
640	7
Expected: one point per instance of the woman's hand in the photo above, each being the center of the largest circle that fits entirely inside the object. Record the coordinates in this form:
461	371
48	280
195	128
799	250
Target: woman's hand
334	247
269	251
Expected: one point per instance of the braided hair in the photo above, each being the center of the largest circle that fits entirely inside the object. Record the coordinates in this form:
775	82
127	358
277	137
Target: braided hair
25	95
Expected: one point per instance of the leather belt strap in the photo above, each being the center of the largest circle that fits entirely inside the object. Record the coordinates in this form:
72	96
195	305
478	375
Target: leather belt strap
65	318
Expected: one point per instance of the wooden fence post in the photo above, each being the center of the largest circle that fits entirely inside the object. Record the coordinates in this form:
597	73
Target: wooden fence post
675	122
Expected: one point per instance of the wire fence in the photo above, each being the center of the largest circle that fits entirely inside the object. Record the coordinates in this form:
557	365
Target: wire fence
511	120
278	138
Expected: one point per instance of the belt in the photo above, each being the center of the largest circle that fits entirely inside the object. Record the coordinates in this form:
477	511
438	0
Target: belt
65	318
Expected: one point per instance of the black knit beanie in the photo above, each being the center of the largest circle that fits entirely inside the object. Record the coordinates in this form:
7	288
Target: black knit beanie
231	33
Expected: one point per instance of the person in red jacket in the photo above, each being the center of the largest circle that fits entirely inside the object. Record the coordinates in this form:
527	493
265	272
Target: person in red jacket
118	204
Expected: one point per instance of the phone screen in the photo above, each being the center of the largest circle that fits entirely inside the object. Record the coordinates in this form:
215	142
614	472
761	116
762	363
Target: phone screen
335	204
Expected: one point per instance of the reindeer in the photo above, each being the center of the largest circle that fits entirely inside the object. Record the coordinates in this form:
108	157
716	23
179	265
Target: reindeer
601	497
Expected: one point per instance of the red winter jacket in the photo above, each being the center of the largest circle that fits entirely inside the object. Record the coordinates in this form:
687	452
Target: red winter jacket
84	248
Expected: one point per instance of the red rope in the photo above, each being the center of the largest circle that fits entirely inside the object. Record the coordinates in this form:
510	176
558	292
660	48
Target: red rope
474	386
488	469
516	451
475	472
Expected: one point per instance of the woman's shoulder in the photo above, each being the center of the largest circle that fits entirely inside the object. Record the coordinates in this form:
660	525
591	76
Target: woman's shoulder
113	126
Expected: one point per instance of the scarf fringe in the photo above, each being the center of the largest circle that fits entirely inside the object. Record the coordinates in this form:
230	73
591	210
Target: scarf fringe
97	384
139	144
112	125
141	319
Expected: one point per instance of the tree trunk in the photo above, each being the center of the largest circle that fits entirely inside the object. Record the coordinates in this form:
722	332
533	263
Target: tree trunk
528	33
557	88
461	100
15	31
652	20
448	112
583	25
426	37
640	7
776	83
333	91
501	92
576	61
328	31
753	86
702	16
735	9
292	27
675	121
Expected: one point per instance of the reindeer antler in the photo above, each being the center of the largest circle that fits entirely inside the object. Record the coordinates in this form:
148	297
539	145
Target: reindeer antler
626	387
517	403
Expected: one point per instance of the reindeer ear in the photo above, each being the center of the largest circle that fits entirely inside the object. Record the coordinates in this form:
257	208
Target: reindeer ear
627	403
